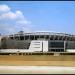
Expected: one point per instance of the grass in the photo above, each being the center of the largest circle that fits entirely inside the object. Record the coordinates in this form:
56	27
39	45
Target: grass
37	60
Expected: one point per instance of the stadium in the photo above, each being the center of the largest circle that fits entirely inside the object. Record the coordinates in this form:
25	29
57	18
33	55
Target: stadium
37	42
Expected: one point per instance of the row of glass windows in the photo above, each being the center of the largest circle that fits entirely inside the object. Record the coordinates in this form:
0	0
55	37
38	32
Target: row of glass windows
56	50
37	37
56	44
29	37
52	45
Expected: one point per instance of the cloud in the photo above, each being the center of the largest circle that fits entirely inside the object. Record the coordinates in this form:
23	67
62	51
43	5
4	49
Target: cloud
23	22
20	15
17	15
12	21
9	15
4	8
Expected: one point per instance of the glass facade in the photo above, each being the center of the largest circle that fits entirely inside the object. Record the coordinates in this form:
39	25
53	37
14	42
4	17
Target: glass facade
56	46
70	45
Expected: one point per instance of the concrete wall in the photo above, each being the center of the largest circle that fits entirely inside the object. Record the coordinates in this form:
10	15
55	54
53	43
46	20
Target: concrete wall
45	46
7	43
17	44
36	45
70	45
0	42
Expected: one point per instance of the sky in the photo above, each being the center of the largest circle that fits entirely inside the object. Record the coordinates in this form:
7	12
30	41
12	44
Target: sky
33	16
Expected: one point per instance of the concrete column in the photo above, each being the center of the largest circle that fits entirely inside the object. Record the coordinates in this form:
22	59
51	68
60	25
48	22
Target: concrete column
64	45
0	41
54	37
63	38
58	37
29	37
39	36
66	38
13	37
44	37
34	37
49	37
19	37
24	37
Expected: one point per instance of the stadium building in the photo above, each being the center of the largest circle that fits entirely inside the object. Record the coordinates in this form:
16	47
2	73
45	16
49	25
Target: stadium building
38	42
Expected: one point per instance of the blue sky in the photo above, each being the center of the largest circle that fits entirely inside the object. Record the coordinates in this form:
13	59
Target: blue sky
32	16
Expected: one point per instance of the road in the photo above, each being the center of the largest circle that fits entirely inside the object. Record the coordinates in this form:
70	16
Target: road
36	70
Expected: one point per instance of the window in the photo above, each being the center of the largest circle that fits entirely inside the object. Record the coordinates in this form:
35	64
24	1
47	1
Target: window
21	37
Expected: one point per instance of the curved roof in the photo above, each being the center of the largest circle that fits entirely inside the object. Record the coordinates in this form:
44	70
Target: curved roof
45	33
49	35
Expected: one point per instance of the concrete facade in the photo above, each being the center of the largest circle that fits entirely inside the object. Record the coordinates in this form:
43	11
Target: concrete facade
23	40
